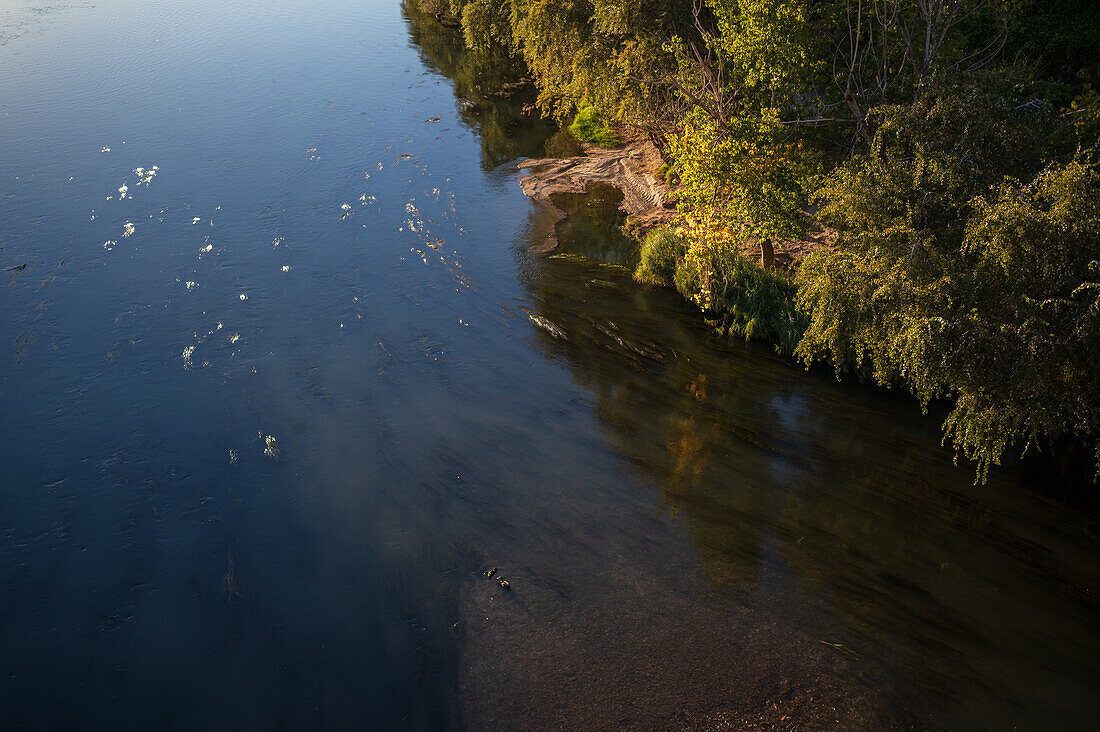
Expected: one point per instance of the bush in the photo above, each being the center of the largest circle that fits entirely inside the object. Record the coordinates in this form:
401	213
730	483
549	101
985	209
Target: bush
589	126
996	307
661	251
746	300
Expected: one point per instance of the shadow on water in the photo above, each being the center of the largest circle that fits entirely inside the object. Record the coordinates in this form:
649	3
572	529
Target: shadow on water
592	227
831	508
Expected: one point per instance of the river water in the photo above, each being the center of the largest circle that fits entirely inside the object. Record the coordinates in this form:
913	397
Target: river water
281	383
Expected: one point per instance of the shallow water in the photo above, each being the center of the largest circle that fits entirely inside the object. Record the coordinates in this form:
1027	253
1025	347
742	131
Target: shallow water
271	416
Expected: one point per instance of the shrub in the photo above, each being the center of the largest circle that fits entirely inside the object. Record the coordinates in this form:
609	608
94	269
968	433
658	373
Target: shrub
996	307
748	300
661	251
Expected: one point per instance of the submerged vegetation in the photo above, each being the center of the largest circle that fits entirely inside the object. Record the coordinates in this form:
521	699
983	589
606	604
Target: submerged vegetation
950	145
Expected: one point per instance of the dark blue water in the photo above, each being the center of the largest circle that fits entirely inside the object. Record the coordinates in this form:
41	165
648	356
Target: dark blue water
270	413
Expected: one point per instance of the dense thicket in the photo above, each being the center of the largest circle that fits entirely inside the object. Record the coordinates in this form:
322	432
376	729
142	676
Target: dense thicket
951	144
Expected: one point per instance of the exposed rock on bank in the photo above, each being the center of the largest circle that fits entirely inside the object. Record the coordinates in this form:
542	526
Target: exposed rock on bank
631	168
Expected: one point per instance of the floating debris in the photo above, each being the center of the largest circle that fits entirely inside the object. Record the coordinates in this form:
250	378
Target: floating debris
122	189
191	285
271	448
233	457
286	267
127	229
187	353
105	149
145	175
548	326
109	244
196	220
244	296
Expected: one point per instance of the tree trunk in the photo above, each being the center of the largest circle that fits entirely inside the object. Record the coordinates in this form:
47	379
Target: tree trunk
767	253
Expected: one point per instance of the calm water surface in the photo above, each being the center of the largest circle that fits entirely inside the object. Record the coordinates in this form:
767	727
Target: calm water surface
274	403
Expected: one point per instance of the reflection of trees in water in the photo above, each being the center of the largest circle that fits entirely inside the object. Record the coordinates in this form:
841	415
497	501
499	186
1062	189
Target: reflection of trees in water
972	596
491	94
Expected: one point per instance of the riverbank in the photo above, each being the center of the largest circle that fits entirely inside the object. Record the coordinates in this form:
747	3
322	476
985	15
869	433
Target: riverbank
717	271
634	168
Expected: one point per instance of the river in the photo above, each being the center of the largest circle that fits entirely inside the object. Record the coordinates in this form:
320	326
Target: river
280	382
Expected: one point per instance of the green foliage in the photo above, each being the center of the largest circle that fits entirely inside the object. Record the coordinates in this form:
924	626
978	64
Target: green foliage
1025	358
743	178
748	300
999	313
589	126
745	299
947	142
583	50
661	251
773	49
